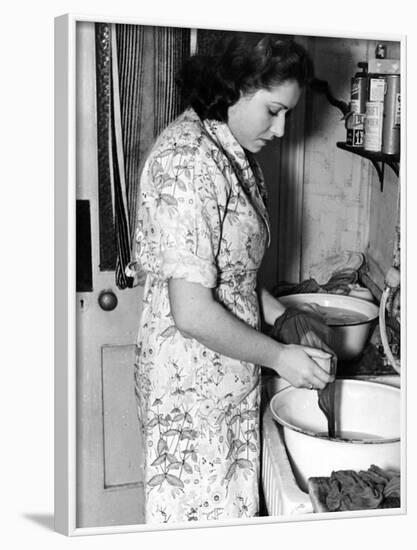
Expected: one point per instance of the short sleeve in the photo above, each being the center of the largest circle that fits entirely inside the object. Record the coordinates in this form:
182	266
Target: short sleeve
183	209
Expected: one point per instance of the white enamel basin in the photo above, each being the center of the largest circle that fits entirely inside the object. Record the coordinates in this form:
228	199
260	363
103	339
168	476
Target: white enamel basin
366	412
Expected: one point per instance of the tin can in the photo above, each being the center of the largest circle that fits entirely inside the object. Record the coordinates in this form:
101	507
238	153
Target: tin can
377	83
358	93
373	125
381	51
392	116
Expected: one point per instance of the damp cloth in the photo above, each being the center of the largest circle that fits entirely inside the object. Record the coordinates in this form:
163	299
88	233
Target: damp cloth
370	489
335	275
340	283
307	328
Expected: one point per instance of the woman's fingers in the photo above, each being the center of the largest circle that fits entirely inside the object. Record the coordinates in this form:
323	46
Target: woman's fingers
322	369
319	379
305	367
315	352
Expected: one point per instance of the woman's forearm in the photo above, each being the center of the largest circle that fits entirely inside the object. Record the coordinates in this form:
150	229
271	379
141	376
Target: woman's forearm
198	315
211	324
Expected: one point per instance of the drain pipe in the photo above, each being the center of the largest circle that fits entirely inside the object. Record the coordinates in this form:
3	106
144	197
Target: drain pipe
392	281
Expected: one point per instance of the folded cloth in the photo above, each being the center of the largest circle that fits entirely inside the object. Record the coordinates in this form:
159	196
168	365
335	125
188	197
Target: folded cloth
284	288
349	491
346	261
307	328
339	283
374	488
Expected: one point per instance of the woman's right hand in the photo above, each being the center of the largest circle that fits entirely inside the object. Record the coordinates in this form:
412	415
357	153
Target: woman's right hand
304	367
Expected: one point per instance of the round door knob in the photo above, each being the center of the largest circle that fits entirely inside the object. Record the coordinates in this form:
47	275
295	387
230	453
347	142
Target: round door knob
107	300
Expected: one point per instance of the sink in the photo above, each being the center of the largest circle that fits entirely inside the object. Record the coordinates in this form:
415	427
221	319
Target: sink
283	495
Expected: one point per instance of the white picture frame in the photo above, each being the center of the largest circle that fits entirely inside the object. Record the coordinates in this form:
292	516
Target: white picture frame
65	286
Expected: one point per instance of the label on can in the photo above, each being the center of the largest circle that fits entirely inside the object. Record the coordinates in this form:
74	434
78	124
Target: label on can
355	106
376	89
373	126
358	137
355	130
358	94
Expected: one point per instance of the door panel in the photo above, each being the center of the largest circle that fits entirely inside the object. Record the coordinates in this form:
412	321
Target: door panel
122	453
109	446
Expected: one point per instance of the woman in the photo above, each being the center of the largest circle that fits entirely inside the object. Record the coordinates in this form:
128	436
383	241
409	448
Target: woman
201	233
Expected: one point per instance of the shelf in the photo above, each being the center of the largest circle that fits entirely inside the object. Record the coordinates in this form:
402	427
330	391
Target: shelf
378	159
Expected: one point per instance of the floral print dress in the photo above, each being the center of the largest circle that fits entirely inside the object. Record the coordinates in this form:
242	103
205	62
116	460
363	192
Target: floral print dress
201	217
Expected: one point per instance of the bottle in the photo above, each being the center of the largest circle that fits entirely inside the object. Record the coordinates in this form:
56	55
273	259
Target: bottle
359	89
358	98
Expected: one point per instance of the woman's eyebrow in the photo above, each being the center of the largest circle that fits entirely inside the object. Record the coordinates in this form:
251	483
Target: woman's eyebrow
280	104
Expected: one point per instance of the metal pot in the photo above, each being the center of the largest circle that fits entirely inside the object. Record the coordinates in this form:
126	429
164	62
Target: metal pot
349	339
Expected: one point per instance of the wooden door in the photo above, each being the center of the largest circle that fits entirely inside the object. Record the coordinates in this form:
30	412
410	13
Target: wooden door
109	446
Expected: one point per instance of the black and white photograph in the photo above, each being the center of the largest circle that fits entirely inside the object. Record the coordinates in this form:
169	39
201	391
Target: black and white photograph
238	296
208	275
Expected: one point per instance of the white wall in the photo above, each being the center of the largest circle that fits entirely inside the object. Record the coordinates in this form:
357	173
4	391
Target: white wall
343	207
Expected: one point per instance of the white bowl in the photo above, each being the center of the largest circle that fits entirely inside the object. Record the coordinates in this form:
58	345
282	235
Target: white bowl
367	417
348	340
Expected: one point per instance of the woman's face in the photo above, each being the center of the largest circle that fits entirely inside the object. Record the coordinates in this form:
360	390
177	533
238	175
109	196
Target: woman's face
257	117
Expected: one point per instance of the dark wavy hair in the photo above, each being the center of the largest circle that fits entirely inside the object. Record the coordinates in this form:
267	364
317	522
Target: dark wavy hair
241	63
